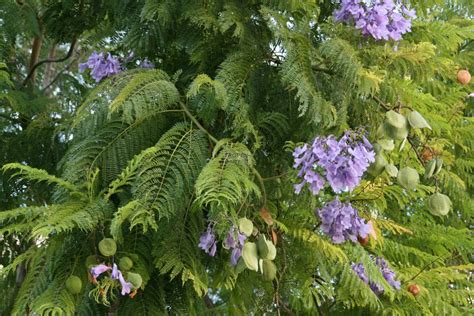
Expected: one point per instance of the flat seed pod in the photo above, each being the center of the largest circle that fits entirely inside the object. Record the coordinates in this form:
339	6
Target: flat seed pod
377	166
125	263
266	216
107	247
246	226
395	119
386	144
269	270
439	204
430	168
74	284
91	261
408	178
250	255
135	279
262	246
391	170
397	133
439	166
241	266
377	148
416	120
272	251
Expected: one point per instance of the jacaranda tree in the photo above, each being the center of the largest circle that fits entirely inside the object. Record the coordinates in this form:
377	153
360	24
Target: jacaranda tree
236	157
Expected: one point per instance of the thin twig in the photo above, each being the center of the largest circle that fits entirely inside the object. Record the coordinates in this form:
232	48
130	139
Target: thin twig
195	121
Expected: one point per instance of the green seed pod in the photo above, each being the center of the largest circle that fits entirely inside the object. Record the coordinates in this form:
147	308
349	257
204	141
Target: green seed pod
395	119
250	255
90	261
125	263
439	204
377	148
391	170
107	247
241	266
397	133
439	165
74	284
245	226
378	166
269	270
416	120
135	279
430	168
386	144
408	178
262	246
272	251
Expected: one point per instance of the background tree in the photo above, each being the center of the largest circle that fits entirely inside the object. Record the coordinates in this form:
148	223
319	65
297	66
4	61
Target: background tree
150	157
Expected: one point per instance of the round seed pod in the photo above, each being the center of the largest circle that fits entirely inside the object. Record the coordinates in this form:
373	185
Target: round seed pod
391	170
125	263
408	178
464	77
416	120
363	241
246	226
269	270
107	247
90	261
430	168
414	289
395	119
439	204
397	133
386	144
262	246
272	251
135	279
74	284
250	255
378	166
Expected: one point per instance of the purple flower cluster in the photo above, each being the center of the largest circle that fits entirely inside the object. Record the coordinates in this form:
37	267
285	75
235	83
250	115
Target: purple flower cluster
146	64
116	275
207	241
101	65
235	245
381	19
387	273
342	222
341	162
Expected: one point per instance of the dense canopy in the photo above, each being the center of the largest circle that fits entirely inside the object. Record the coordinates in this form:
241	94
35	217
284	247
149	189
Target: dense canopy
236	157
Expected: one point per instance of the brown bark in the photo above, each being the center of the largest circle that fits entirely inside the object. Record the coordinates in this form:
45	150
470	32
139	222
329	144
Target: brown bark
35	52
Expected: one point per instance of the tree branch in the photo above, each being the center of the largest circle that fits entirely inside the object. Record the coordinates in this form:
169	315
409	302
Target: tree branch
33	69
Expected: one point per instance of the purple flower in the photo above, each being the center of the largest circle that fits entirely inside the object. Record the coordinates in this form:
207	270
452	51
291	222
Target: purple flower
341	163
101	66
471	95
381	19
207	242
235	255
115	272
146	64
126	286
378	289
388	274
341	222
98	270
360	271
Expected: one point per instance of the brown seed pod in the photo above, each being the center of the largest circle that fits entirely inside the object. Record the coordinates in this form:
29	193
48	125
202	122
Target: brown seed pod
363	241
414	289
464	77
266	216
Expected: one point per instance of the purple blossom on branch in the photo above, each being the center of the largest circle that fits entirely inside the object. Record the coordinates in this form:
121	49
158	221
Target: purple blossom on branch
117	275
342	222
207	241
341	163
381	19
98	270
235	244
388	274
101	65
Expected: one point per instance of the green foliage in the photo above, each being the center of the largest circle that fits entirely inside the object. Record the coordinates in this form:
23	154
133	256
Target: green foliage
151	157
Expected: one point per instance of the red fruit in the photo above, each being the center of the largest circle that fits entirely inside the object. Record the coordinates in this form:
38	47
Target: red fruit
363	241
464	77
414	289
